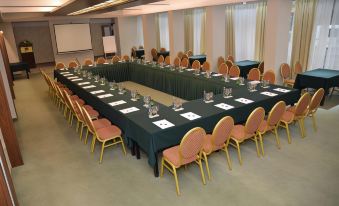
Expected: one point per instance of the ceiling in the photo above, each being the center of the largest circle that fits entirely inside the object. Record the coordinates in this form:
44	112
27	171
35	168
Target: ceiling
18	6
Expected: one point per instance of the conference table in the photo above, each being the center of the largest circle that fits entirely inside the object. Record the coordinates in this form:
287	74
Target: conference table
317	78
142	132
245	66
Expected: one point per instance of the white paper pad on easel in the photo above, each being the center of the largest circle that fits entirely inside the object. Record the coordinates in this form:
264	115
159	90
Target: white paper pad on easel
163	124
117	103
105	96
281	90
128	110
224	106
244	100
90	86
270	94
190	116
97	92
84	83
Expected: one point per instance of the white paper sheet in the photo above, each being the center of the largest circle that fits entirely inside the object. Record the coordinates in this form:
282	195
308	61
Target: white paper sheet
216	75
74	77
190	115
105	96
282	90
234	78
64	73
224	106
84	83
270	94
97	92
244	100
90	86
75	80
129	110
117	103
163	124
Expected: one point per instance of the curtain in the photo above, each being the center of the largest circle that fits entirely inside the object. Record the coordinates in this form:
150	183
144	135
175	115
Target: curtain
302	31
140	34
230	48
260	31
188	16
244	30
199	21
332	57
162	31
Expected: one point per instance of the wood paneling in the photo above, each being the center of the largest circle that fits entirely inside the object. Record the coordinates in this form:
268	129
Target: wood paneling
6	62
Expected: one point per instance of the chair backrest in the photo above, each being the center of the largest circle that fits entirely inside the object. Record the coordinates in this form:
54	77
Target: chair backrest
162	49
254	74
88	62
276	113
133	52
125	57
184	56
189	53
254	120
141	47
180	53
191	144
316	100
59	65
223	69
115	59
302	104
69	101
285	71
221	60
196	64
230	58
206	66
154	53
234	71
229	64
88	121
101	60
79	112
261	67
161	59
176	62
168	60
184	62
298	68
222	131
72	65
270	76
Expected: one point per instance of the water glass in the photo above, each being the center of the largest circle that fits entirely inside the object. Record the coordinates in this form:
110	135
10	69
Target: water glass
227	78
208	74
196	71
96	78
241	80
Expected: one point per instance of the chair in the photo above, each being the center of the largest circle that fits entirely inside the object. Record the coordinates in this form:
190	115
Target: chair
272	123
230	58
196	65
184	62
189	53
162	49
241	133
206	66
254	74
125	58
223	69
72	65
115	59
220	60
180	53
234	71
60	65
133	52
168	60
176	62
184	56
88	62
270	76
296	113
285	72
229	64
314	105
261	68
189	150
297	68
104	135
101	60
154	54
161	59
219	139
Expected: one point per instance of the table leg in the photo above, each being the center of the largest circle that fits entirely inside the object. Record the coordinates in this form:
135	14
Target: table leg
133	148
27	74
155	167
137	150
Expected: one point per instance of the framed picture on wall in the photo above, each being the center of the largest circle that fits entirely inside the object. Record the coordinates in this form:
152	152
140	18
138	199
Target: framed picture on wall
107	30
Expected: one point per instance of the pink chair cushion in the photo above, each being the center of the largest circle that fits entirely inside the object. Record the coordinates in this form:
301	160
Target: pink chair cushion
80	101
208	147
172	155
109	132
101	123
93	113
239	133
264	126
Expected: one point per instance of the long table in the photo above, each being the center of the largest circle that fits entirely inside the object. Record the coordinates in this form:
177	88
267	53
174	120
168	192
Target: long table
140	130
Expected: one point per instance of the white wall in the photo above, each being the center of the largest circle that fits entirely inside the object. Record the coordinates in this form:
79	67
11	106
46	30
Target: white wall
12	51
128	29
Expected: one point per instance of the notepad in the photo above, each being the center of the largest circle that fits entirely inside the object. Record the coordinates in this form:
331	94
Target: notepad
97	92
128	110
163	124
117	103
270	94
244	100
90	86
105	96
190	116
83	83
224	106
281	90
75	80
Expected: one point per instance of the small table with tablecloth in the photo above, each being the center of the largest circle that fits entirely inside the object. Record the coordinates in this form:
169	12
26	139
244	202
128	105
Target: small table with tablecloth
201	58
245	66
20	66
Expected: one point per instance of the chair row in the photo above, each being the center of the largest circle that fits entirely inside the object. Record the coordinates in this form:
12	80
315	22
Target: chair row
196	145
73	107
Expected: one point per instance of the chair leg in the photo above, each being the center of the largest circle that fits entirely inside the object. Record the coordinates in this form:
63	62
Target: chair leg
81	130
288	133
176	180
277	137
162	167
314	122
239	153
261	144
93	143
202	172
301	128
229	163
256	145
77	126
102	151
123	146
86	137
207	166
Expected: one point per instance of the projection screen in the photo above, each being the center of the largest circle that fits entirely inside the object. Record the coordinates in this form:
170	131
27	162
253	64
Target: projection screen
72	37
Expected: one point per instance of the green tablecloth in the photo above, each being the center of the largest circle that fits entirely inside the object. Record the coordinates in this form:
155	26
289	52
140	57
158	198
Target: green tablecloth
138	127
245	66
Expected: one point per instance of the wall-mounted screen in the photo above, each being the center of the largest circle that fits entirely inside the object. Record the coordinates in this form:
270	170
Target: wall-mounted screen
72	37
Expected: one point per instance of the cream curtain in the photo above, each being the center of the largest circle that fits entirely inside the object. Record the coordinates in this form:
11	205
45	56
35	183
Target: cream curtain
163	40
188	18
302	31
199	21
230	47
260	31
157	31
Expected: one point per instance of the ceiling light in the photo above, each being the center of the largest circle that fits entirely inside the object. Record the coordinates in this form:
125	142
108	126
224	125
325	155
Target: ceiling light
99	6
